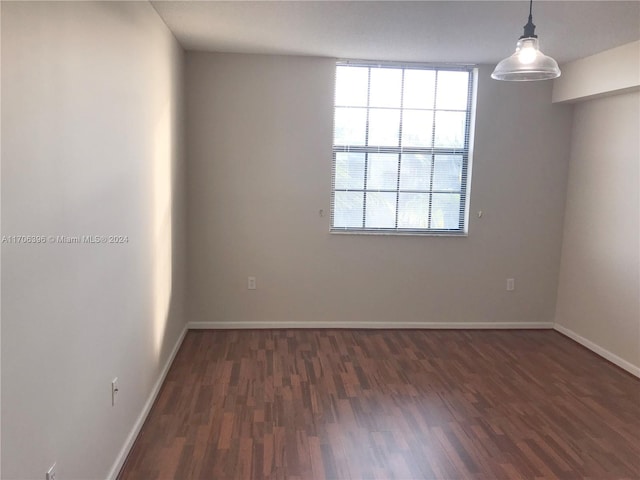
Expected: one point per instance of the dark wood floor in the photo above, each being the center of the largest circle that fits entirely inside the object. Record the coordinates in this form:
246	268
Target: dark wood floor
386	404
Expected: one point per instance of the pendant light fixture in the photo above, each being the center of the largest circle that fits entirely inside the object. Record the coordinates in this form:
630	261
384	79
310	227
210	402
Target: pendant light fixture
528	62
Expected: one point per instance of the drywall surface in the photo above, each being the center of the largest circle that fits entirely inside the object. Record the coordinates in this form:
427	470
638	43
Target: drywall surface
599	289
259	137
611	71
0	259
92	146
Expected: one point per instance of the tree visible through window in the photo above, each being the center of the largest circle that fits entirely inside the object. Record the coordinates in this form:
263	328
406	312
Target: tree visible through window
401	148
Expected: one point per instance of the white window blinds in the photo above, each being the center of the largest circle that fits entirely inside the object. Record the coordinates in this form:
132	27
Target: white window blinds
401	148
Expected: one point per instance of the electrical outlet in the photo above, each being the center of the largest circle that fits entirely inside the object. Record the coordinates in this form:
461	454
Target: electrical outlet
114	391
251	283
51	473
511	284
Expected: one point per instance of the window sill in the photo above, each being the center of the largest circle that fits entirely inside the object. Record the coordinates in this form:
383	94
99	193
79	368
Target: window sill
399	234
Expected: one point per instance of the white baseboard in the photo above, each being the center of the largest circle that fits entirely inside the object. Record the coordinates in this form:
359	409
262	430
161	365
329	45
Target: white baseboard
603	352
128	444
370	325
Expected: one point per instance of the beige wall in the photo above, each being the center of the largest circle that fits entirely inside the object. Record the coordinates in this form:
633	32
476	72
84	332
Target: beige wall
599	291
91	145
259	133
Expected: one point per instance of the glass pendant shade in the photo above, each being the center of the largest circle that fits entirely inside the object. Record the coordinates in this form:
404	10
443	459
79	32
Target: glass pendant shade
526	64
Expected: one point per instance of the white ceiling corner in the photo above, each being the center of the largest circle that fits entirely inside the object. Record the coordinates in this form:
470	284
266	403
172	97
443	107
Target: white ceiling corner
424	31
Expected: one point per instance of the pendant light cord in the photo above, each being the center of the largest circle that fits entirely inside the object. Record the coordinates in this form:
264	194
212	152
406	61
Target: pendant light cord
530	28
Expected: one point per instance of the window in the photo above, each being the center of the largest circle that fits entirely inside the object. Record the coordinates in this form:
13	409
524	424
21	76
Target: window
401	148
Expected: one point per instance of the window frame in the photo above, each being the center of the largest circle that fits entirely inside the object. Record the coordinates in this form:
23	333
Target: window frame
432	151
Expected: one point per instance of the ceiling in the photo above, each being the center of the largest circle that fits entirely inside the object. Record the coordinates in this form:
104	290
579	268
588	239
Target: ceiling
420	31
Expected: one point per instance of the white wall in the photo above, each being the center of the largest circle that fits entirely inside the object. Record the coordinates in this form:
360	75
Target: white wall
259	134
599	290
613	71
0	255
92	145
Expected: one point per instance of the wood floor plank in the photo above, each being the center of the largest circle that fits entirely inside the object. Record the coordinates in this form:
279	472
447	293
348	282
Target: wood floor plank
389	404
